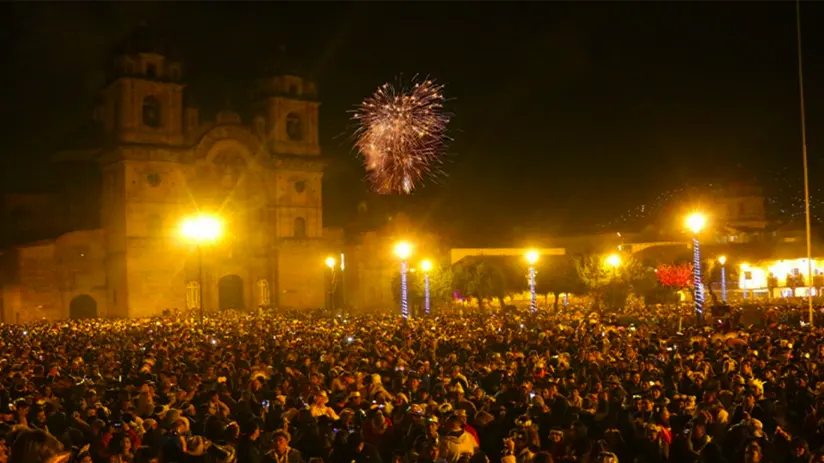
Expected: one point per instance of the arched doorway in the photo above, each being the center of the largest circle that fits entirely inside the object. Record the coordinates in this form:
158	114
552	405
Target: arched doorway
83	306
230	293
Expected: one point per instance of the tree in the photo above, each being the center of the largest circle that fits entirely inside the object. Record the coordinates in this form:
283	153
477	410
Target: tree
475	277
594	275
558	277
676	277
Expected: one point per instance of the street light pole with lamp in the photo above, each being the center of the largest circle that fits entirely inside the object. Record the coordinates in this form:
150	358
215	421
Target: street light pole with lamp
723	261
695	222
201	229
330	262
532	257
426	267
403	250
614	261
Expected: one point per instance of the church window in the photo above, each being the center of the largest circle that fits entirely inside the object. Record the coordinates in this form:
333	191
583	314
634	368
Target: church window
293	89
264	295
151	111
294	127
151	71
154	225
175	73
300	227
300	186
193	295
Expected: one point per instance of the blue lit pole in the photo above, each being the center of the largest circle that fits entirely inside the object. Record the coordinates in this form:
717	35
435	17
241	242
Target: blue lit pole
403	250
404	292
532	258
698	295
723	261
696	222
426	267
426	293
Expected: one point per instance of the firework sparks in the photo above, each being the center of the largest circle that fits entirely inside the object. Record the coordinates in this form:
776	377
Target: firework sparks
401	135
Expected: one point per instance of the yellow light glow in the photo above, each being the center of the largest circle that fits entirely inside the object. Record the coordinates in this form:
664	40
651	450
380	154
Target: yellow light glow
201	228
532	256
330	262
426	266
403	250
614	260
696	222
722	260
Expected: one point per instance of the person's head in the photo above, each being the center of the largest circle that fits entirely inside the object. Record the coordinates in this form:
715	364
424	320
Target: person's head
432	424
119	444
35	446
281	440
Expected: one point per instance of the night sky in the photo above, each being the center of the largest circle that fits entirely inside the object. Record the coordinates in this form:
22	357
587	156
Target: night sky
565	114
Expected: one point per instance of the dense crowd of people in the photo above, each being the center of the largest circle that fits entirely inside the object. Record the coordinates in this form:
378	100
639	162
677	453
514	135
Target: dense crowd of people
507	387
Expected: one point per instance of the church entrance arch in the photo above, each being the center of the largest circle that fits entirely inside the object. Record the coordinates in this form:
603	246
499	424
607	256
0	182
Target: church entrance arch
230	293
83	306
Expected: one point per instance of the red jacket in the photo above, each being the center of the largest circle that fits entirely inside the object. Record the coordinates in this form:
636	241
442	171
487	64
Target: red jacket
474	433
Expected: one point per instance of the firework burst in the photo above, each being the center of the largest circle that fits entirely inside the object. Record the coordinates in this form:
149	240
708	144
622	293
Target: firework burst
401	135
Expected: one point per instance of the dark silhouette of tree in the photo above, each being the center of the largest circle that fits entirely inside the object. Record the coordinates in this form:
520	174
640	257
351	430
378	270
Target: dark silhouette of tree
558	276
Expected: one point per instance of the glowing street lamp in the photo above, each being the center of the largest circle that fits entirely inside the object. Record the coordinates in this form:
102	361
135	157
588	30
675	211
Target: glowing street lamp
426	267
201	229
614	261
403	250
330	262
532	258
696	222
723	260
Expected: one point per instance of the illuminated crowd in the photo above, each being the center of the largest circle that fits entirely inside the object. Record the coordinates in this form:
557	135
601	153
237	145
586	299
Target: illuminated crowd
508	387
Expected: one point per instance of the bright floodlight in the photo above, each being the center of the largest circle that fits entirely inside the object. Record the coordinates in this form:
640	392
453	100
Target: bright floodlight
330	262
532	256
722	260
403	250
426	266
614	260
696	222
201	228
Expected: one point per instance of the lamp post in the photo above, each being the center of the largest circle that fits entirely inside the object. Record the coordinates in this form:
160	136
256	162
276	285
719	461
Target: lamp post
403	250
426	267
723	261
201	229
614	261
695	222
532	258
330	298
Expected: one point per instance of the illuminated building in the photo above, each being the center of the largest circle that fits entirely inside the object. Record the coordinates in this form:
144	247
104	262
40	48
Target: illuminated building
151	161
780	278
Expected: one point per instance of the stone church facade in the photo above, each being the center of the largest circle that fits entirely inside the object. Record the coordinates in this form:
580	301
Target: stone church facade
157	164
